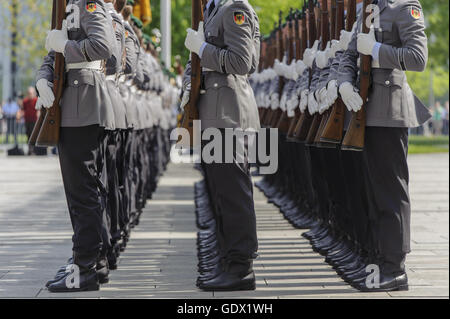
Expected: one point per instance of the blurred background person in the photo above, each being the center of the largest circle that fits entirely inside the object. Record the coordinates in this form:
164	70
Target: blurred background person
437	118
445	128
30	114
10	110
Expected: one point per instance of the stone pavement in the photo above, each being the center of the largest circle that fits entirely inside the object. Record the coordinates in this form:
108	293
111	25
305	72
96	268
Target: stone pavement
160	260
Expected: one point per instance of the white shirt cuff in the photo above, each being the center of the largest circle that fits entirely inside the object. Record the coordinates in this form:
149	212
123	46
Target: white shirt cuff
376	51
200	52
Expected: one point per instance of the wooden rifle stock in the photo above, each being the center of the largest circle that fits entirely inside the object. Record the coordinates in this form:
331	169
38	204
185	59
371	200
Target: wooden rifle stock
325	35
354	138
305	120
49	131
280	54
283	122
300	46
191	113
262	57
334	128
37	127
335	27
272	54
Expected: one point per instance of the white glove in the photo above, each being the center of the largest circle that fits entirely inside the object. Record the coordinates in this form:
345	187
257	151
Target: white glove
333	49
321	58
310	54
57	39
195	39
366	42
300	67
283	102
275	101
322	100
303	100
186	97
291	72
45	93
278	68
346	37
350	97
291	105
332	92
313	107
38	105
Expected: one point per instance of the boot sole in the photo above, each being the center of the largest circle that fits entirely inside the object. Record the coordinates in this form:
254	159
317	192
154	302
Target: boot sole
250	286
88	288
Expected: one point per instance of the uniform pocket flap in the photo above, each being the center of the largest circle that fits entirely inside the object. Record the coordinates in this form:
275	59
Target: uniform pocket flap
212	31
216	80
389	78
75	78
386	26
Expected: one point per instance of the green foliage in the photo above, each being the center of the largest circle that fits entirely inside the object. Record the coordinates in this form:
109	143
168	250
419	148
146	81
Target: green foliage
32	26
420	83
425	144
436	15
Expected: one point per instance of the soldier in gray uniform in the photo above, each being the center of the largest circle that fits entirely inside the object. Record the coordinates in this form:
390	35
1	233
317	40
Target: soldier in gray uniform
86	40
229	51
399	45
114	67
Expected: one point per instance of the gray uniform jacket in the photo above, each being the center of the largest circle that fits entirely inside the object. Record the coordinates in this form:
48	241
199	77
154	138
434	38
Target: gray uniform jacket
132	47
85	99
114	67
232	53
404	48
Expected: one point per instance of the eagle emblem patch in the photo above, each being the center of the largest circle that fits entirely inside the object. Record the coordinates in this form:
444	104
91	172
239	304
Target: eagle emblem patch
239	17
91	6
415	13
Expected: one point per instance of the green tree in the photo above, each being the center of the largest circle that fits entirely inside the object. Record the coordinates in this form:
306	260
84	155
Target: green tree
32	25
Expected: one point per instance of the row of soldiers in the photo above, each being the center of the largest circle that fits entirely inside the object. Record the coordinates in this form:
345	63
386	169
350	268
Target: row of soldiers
118	107
353	198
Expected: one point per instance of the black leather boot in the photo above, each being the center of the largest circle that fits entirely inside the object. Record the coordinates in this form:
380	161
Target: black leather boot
102	268
235	277
79	276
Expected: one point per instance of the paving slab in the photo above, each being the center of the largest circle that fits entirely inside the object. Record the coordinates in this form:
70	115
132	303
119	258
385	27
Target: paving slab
160	260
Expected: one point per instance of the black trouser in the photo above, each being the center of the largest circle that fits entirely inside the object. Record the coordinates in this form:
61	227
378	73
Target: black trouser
114	197
231	189
387	179
79	152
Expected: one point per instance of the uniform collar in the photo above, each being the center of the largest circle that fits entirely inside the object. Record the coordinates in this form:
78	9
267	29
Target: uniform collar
216	2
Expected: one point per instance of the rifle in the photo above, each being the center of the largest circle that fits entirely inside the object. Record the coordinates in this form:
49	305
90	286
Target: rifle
262	59
325	35
300	46
283	122
271	58
191	113
280	54
335	29
303	124
334	128
46	131
354	138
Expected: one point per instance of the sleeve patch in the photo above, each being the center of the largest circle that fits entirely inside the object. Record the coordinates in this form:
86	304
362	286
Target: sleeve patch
91	6
239	17
416	13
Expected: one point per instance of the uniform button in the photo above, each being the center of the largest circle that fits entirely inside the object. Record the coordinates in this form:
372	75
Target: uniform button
387	82
216	85
209	34
75	82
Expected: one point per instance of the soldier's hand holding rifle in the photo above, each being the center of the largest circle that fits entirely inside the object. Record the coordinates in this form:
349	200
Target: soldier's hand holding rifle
46	96
350	97
57	39
366	43
195	39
